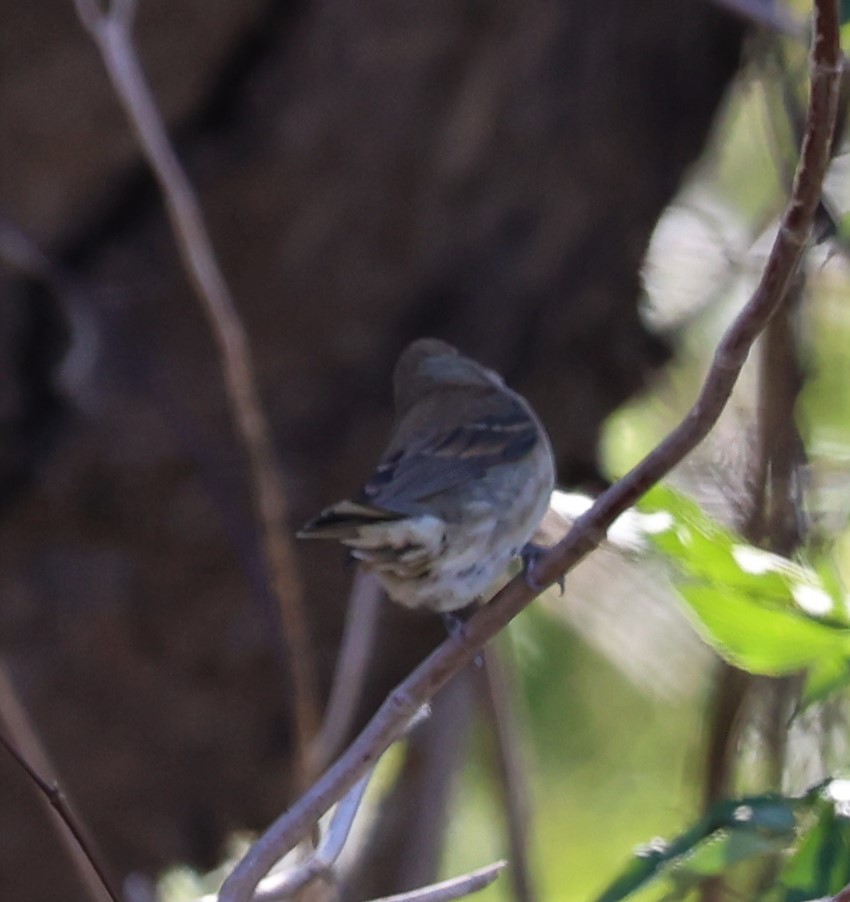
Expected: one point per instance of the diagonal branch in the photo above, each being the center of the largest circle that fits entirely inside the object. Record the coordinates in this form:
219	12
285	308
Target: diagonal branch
288	884
456	888
111	32
26	749
589	530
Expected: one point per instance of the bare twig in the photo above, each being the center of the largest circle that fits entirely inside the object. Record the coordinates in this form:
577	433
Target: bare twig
287	884
352	661
111	32
589	529
29	754
498	699
402	846
456	888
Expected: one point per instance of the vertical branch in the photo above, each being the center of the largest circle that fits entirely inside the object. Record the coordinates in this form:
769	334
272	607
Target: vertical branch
775	522
498	699
356	649
111	32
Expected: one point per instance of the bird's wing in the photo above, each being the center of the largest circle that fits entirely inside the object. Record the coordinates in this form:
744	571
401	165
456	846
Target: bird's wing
449	457
343	521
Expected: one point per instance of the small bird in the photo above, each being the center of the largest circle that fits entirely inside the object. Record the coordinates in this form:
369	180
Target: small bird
460	490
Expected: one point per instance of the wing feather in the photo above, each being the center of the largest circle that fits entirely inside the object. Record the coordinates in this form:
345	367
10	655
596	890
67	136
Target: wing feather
449	458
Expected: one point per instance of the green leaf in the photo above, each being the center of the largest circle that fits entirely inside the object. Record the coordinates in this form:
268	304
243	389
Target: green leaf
820	867
703	549
825	677
760	638
761	611
731	832
824	565
644	867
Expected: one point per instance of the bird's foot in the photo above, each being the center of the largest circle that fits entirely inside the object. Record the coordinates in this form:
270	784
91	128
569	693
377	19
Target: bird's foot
454	621
531	554
455	624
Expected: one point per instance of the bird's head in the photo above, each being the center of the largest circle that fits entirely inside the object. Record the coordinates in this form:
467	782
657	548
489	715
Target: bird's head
429	364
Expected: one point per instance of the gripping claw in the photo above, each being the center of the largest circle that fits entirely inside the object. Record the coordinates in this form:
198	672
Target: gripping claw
455	622
530	554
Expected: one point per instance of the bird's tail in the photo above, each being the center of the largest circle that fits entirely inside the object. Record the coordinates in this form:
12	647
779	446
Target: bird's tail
344	520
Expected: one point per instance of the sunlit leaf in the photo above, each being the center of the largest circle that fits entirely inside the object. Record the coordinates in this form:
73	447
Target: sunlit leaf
825	676
761	611
761	639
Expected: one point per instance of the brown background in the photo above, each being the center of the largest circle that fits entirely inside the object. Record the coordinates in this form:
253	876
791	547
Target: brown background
489	172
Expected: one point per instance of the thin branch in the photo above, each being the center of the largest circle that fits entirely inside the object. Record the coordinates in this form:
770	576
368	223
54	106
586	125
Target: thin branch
111	32
330	847
498	699
402	845
29	754
355	652
589	530
456	888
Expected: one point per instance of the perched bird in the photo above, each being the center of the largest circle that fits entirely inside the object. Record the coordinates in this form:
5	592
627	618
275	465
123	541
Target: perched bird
460	490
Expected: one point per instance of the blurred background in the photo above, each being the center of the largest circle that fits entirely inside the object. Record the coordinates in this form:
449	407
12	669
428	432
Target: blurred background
575	193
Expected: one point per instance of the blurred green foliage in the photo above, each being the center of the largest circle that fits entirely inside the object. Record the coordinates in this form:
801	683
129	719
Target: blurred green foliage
601	755
762	612
739	830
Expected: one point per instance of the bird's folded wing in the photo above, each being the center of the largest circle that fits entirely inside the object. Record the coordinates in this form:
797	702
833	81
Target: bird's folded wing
342	520
449	458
